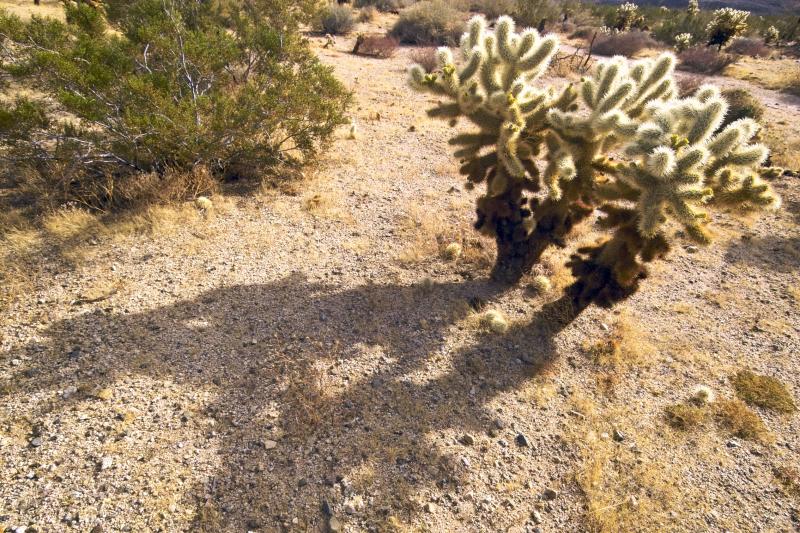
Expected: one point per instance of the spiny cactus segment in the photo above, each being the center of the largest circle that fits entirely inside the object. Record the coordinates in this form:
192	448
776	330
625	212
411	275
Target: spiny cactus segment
544	155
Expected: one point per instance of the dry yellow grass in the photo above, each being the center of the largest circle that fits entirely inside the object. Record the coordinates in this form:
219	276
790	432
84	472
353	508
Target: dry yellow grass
26	8
763	391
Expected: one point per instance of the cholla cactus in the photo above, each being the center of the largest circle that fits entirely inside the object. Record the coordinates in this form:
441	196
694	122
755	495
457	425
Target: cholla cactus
726	23
771	35
543	154
693	8
627	16
682	42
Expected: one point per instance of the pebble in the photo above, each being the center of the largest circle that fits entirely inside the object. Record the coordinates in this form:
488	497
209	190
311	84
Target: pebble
106	463
550	494
467	440
270	444
522	440
618	435
334	524
536	516
430	507
36	442
692	249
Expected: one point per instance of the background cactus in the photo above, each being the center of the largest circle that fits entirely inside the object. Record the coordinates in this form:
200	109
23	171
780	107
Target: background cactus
683	41
542	153
726	24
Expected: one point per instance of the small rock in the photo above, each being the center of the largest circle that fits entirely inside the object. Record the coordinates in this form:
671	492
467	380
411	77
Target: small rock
550	494
430	507
522	440
270	444
69	392
106	463
334	525
692	249
467	440
536	516
617	435
36	442
326	508
733	444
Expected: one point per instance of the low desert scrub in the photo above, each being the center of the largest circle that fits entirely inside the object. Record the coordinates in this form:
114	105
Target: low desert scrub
431	22
763	391
493	8
705	60
375	46
426	58
336	20
741	104
367	14
387	6
626	44
747	46
584	32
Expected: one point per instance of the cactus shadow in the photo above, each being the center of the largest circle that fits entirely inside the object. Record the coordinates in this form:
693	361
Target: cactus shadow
271	357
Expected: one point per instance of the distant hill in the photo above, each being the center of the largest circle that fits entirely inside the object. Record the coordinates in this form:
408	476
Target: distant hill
761	7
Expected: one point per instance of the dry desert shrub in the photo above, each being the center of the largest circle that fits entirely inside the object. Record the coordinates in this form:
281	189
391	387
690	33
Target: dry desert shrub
375	46
626	44
705	60
747	46
432	22
425	57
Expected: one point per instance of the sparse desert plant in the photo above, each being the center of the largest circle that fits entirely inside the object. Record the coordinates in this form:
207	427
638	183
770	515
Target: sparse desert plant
452	251
375	45
537	13
494	321
431	22
705	60
747	46
148	88
336	19
703	395
626	17
493	8
584	32
741	104
367	14
682	42
626	44
426	58
674	166
771	35
726	24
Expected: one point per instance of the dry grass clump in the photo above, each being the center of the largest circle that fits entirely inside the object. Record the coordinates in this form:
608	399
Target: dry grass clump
624	345
684	416
367	14
336	20
763	391
688	85
740	421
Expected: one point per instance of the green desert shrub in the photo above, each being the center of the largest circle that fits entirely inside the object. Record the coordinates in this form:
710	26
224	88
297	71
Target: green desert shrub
336	19
538	13
156	87
432	22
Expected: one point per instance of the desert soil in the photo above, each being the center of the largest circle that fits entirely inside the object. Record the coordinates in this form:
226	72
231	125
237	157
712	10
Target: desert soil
307	360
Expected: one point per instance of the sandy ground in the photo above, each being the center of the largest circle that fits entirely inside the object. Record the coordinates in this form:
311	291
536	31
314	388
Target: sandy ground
309	362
